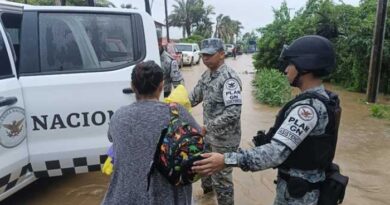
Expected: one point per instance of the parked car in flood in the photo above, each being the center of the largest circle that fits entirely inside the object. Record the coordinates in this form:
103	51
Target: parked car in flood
229	49
190	51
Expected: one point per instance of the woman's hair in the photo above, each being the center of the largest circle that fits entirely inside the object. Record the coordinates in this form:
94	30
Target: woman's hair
146	77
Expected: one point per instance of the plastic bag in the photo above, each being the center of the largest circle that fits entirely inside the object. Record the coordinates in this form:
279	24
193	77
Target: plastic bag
179	95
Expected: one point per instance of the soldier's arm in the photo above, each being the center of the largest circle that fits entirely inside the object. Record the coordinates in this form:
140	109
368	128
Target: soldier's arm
295	128
233	100
196	96
176	76
230	115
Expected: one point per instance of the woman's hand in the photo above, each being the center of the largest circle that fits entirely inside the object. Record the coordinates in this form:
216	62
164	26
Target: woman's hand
204	131
213	162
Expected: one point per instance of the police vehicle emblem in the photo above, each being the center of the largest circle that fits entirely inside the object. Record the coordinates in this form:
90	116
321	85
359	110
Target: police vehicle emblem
306	113
12	127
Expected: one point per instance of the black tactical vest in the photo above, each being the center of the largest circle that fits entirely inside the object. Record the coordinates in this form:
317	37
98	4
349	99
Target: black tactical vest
315	152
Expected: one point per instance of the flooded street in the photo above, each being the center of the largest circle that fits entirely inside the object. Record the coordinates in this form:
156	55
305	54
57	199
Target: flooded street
363	153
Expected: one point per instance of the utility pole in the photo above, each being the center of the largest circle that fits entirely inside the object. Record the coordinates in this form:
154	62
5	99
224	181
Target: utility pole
166	20
376	52
147	7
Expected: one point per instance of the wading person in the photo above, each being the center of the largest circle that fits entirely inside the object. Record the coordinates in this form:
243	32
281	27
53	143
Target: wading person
302	142
220	91
135	130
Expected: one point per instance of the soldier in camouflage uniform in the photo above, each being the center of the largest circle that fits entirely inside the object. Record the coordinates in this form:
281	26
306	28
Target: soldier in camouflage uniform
303	140
172	74
220	91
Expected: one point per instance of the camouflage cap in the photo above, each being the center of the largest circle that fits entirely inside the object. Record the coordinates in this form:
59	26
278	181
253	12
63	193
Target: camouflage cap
211	46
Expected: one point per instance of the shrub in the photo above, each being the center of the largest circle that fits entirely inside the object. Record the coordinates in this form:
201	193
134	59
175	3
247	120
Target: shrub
380	111
272	87
192	39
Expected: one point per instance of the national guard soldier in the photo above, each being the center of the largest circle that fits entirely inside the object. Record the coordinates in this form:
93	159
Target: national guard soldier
302	142
220	90
172	74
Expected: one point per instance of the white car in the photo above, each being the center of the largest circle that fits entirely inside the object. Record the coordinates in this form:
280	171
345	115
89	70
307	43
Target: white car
190	51
64	72
229	49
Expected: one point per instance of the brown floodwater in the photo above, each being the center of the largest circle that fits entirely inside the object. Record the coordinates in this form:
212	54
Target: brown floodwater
363	152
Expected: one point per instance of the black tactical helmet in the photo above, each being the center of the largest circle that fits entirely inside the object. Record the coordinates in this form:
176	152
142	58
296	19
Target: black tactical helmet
310	53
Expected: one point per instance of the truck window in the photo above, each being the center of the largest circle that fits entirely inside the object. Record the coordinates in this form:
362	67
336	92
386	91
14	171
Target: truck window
5	68
12	23
72	42
183	47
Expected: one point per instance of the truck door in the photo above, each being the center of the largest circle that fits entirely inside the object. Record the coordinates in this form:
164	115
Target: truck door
74	77
14	161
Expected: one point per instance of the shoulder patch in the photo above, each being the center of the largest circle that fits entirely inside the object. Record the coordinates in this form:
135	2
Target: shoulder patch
232	92
174	63
297	126
306	113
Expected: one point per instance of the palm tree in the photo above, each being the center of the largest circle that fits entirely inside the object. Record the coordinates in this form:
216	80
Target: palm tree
205	27
178	17
227	28
236	28
219	18
189	15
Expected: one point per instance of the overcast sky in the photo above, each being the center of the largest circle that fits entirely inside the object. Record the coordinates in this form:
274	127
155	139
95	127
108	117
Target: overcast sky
251	13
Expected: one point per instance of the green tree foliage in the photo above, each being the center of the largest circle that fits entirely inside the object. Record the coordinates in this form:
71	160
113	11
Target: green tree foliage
349	28
192	16
272	87
36	2
227	29
245	39
192	39
380	111
205	27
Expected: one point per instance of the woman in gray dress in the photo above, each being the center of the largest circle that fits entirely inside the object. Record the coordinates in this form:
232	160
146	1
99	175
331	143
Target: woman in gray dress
134	131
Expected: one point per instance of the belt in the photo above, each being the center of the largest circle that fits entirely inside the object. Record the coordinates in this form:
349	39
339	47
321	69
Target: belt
312	186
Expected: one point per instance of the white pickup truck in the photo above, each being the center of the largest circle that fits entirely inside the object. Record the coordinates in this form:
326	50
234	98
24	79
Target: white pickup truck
64	71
